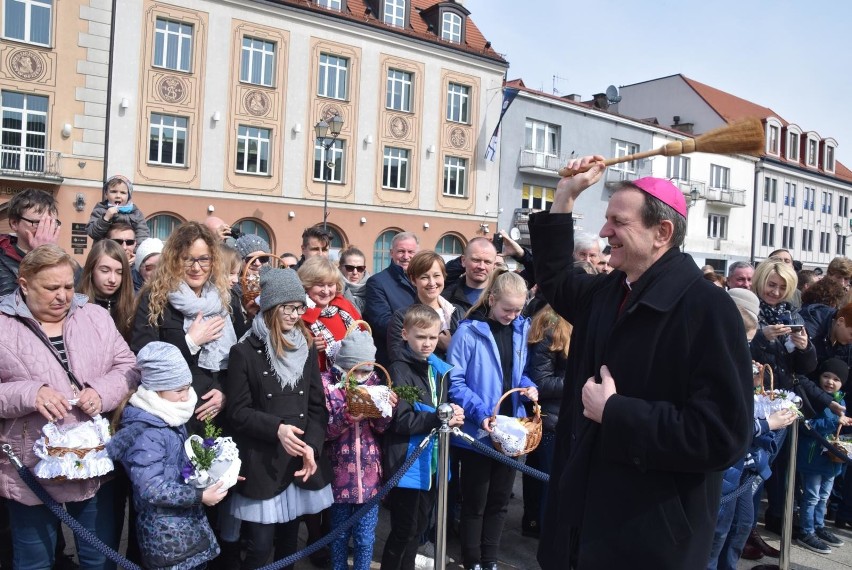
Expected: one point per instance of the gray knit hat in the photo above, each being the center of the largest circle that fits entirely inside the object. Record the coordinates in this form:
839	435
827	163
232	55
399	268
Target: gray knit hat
163	367
150	246
357	346
746	300
250	243
124	179
279	286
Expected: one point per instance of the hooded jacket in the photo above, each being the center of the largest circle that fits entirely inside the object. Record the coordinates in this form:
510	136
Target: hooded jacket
643	486
99	358
819	320
171	525
98	227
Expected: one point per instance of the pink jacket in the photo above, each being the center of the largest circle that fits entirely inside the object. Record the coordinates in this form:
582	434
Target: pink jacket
355	455
99	358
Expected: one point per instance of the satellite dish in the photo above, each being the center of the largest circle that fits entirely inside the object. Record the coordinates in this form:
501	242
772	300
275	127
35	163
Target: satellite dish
612	94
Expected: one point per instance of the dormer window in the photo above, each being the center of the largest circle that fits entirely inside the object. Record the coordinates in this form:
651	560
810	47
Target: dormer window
794	143
812	152
394	13
828	155
451	27
773	136
336	5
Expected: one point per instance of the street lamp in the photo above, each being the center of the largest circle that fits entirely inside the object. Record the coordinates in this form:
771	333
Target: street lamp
335	125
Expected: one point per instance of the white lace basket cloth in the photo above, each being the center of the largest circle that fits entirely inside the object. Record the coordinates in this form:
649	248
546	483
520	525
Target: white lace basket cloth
511	434
225	467
75	453
768	402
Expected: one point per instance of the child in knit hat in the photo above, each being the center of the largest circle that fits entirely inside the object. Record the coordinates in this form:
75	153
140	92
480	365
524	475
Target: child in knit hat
353	449
814	467
116	206
171	525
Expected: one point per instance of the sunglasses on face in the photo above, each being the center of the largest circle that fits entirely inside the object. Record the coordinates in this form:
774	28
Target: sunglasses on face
261	260
354	268
124	241
35	223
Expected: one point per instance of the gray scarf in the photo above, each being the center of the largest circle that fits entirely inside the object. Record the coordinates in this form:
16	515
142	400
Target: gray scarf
214	354
291	367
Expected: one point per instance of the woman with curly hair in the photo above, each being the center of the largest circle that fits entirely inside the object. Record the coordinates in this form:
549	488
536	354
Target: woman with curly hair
188	303
106	282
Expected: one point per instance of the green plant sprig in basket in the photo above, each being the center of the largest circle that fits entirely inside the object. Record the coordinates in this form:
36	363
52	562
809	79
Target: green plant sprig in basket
410	394
205	451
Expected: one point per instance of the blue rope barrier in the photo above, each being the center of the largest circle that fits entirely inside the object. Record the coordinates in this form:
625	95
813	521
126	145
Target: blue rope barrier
494	454
739	490
827	444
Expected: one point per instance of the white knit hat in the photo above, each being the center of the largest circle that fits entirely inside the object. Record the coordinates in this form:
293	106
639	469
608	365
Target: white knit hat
146	249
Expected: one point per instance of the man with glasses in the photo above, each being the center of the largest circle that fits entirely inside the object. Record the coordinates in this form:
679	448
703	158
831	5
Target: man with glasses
289	260
125	236
353	267
315	241
34	222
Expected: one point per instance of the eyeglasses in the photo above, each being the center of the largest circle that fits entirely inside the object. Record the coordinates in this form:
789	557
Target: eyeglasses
353	268
203	262
35	223
261	259
290	310
124	241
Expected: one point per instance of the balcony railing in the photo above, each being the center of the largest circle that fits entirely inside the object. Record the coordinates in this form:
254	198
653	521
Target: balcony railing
30	162
540	162
613	175
727	196
687	186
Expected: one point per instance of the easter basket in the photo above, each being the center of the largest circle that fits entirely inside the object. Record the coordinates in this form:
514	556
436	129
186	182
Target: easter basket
212	458
767	402
75	453
362	400
516	436
250	280
844	447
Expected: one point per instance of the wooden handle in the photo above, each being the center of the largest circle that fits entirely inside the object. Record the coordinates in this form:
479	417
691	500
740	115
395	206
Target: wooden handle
536	407
356	324
273	260
375	365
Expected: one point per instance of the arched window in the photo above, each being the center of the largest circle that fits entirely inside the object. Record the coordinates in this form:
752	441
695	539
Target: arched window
449	247
250	226
381	250
162	225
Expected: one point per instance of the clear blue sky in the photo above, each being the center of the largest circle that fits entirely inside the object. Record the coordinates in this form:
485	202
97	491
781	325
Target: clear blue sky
791	56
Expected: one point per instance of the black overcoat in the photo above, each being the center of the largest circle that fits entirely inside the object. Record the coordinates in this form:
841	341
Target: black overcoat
642	489
257	405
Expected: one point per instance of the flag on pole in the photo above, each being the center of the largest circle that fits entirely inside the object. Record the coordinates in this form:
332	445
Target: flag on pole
509	94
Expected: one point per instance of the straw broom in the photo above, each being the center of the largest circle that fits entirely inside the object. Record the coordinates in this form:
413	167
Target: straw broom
744	137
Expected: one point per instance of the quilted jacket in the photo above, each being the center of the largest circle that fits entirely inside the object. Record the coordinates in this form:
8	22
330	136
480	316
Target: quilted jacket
171	524
99	358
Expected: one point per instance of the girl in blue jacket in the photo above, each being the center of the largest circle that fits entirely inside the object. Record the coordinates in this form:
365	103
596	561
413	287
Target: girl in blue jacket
488	353
171	527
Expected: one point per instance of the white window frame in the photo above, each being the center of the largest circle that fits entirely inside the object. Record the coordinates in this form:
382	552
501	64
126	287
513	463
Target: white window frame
623	148
767	235
161	127
790	194
677	168
829	160
252	163
812	151
399	159
720	177
394	13
827	199
542	140
824	242
258	56
455	170
26	156
183	39
807	240
788	237
773	139
717	226
841	245
810	198
333	78
451	27
399	88
458	103
336	5
337	154
27	32
770	190
537	197
794	141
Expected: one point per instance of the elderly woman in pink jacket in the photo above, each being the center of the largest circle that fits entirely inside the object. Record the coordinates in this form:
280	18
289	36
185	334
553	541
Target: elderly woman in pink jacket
63	361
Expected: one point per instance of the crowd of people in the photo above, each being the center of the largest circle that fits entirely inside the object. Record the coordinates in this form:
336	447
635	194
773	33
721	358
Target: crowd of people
643	365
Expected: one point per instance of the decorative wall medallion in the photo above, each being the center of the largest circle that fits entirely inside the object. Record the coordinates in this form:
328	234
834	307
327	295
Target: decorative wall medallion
458	138
257	103
172	89
330	111
399	127
27	64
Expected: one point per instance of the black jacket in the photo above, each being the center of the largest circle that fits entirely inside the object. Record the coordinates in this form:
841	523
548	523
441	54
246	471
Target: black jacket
642	487
10	261
547	369
395	343
454	293
408	370
819	320
257	405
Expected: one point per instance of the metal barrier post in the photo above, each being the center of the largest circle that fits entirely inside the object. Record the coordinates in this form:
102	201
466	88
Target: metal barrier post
445	414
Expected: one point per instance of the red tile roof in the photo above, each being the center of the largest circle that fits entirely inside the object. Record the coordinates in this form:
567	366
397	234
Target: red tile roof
356	11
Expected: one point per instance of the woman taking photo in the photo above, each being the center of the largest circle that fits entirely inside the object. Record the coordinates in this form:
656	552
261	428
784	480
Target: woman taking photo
331	314
188	303
488	353
106	282
428	273
56	348
276	407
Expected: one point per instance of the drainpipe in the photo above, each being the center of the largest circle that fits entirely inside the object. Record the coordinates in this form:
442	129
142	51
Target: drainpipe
757	171
109	88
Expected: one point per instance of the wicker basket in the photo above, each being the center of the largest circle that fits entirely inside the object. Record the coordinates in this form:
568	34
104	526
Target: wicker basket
358	324
839	446
358	400
250	282
532	425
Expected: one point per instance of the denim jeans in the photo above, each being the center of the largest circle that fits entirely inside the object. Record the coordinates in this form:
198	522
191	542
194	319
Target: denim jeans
733	526
363	534
815	491
35	529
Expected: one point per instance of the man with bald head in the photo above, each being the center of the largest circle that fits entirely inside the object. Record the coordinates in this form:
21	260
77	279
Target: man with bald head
218	227
478	262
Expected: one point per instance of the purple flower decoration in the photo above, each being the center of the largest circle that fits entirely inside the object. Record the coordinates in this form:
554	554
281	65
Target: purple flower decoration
209	442
187	471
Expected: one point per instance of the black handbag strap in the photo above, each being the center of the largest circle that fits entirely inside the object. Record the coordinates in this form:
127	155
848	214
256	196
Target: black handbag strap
43	338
